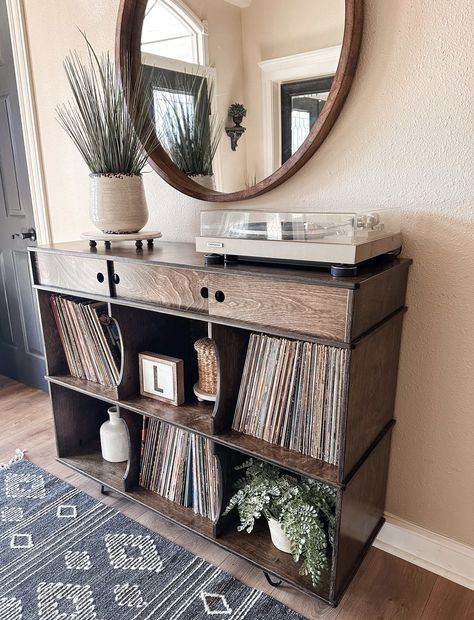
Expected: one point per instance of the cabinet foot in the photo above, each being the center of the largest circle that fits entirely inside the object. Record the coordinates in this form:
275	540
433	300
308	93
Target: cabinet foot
275	584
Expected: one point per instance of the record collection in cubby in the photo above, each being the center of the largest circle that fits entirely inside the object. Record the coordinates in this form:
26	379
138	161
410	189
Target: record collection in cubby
314	406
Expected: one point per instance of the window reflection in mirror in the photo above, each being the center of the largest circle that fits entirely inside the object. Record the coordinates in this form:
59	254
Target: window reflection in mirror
277	58
171	30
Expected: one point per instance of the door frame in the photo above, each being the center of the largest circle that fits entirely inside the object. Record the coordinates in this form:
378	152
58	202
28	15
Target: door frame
287	89
29	121
318	63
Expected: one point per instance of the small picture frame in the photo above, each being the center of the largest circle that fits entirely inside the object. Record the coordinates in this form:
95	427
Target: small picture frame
161	377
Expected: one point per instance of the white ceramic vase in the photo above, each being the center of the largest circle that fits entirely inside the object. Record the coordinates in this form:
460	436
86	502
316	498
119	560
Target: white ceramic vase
206	180
118	203
279	538
114	438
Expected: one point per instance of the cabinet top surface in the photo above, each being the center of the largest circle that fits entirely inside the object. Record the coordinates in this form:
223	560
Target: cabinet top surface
178	254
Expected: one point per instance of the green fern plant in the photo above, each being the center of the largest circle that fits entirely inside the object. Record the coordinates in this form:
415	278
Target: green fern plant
108	118
237	109
304	508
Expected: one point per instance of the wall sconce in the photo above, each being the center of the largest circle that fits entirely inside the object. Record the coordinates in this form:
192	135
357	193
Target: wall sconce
234	134
237	112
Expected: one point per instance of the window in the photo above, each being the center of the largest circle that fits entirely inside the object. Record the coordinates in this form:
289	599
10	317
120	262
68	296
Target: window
172	31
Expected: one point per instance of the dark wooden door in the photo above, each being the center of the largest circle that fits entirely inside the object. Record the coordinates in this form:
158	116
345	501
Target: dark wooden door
21	351
301	105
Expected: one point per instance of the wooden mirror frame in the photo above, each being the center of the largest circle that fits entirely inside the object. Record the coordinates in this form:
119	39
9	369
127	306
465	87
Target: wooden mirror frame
127	45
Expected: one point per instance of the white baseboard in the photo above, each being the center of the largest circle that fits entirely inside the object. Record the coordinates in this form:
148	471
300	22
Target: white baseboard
438	554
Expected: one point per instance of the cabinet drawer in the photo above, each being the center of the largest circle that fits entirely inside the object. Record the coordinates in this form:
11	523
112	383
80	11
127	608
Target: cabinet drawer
74	273
305	308
165	286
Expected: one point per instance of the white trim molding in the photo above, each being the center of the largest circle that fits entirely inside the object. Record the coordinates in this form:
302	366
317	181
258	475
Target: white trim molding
28	119
318	63
243	4
438	554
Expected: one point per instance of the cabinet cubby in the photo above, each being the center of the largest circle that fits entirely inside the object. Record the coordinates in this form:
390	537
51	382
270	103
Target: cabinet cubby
159	307
77	436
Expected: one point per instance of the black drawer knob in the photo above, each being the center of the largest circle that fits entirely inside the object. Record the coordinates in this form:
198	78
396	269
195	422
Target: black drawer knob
204	292
100	277
219	296
116	278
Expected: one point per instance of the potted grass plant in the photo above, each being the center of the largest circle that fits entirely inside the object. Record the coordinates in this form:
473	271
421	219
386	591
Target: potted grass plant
108	121
187	126
237	112
300	513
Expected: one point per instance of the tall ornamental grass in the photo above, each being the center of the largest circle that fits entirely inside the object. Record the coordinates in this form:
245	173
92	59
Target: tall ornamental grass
187	127
108	118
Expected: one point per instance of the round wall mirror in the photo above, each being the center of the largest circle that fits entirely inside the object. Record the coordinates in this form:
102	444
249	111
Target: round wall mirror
242	92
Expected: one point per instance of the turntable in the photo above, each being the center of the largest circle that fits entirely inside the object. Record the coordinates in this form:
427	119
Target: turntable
338	241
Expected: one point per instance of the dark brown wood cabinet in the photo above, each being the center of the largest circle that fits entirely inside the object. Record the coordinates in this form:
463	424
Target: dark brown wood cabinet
164	299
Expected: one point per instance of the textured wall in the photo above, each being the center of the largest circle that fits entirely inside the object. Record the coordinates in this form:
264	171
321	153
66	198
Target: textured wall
403	139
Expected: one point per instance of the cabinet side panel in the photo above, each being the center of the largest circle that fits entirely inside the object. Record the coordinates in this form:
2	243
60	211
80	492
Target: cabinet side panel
372	387
378	297
231	344
55	357
361	514
134	423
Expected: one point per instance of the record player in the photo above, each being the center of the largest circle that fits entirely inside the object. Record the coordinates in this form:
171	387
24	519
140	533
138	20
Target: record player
339	241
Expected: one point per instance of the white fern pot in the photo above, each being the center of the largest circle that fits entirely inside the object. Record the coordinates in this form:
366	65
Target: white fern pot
118	203
279	538
206	180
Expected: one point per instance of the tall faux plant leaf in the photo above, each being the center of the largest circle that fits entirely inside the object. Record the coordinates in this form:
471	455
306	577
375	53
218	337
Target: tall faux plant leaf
189	132
108	117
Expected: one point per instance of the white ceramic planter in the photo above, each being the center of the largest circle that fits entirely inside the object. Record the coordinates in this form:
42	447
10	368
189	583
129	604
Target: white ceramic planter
114	438
118	203
206	180
279	538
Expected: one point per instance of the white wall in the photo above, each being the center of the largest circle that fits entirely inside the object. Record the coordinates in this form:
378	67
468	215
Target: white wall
403	139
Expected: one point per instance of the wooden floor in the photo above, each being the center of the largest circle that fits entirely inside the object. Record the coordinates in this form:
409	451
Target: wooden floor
385	586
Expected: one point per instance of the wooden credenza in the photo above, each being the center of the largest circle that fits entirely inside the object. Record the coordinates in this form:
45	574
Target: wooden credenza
164	299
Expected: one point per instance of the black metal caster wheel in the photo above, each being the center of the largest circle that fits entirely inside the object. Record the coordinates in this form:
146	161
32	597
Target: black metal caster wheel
275	584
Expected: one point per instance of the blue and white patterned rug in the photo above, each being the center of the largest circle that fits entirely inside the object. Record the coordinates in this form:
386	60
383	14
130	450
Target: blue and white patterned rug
66	556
